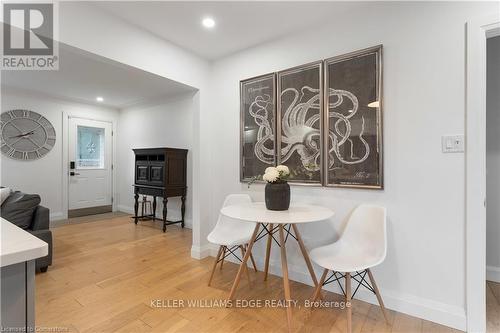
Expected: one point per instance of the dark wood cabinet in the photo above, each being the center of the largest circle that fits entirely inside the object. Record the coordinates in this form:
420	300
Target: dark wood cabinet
160	172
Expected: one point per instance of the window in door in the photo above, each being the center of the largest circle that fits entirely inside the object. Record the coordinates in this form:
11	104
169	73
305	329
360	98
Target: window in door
90	148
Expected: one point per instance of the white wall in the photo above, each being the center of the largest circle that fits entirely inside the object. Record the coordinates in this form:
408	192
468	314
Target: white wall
45	176
113	38
424	63
169	124
423	94
493	160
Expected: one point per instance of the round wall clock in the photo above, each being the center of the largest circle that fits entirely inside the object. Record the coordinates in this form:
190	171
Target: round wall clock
26	135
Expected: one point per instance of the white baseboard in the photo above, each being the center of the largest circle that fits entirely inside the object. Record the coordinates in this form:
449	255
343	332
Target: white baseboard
493	273
200	252
176	213
57	216
125	209
441	313
56	219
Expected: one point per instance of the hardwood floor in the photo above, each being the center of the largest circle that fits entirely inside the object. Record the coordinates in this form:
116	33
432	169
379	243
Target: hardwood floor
107	272
492	307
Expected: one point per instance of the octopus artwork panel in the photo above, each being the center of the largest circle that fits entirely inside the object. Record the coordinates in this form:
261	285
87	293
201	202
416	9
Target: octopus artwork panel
258	125
353	120
299	127
323	120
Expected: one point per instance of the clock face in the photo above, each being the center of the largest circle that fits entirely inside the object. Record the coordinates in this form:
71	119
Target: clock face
26	135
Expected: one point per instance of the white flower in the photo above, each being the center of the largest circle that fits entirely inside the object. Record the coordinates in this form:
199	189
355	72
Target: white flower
283	169
271	175
269	169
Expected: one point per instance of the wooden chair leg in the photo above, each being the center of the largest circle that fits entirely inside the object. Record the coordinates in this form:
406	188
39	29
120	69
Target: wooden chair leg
377	293
246	267
268	251
245	259
215	265
252	259
348	300
306	257
223	256
317	291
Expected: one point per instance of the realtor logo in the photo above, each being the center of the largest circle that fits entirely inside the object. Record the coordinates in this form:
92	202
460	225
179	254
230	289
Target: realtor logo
28	37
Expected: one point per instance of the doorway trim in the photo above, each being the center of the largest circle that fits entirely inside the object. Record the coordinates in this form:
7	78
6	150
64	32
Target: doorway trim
478	31
65	158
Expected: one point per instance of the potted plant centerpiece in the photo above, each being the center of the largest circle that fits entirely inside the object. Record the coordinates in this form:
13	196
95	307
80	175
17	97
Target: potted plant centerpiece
277	190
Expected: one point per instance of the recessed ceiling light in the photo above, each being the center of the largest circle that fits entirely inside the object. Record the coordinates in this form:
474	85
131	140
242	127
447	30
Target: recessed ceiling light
99	99
374	104
208	22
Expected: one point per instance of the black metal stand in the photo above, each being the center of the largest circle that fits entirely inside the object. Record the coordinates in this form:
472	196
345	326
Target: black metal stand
268	231
359	277
230	252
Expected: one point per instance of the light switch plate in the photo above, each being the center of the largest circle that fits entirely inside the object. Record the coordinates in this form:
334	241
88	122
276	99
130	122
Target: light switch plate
453	143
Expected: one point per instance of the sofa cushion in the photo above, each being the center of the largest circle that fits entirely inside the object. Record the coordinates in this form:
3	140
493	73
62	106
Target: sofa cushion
19	207
4	194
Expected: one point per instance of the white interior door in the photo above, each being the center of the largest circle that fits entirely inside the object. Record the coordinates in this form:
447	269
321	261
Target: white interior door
90	156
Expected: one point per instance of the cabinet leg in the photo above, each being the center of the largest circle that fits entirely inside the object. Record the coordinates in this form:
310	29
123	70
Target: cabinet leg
165	201
143	206
154	208
183	209
136	206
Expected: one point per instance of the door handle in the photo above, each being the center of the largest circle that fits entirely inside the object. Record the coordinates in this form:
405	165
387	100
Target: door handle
72	173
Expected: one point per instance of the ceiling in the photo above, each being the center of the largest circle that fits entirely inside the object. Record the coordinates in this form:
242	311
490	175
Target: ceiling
239	25
83	76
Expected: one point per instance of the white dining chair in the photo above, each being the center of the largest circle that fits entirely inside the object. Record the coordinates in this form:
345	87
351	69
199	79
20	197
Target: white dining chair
231	234
362	245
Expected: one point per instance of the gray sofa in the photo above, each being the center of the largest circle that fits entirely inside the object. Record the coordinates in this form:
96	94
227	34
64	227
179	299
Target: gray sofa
25	211
40	228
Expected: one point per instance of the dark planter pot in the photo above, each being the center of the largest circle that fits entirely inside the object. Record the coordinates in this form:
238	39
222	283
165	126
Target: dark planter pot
277	196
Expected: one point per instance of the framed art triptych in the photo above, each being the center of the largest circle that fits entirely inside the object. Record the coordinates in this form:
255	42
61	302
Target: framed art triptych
323	120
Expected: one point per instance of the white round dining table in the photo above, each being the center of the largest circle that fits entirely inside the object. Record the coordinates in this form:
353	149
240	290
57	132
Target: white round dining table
297	213
280	222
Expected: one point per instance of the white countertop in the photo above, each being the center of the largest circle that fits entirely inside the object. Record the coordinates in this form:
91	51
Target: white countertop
17	245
